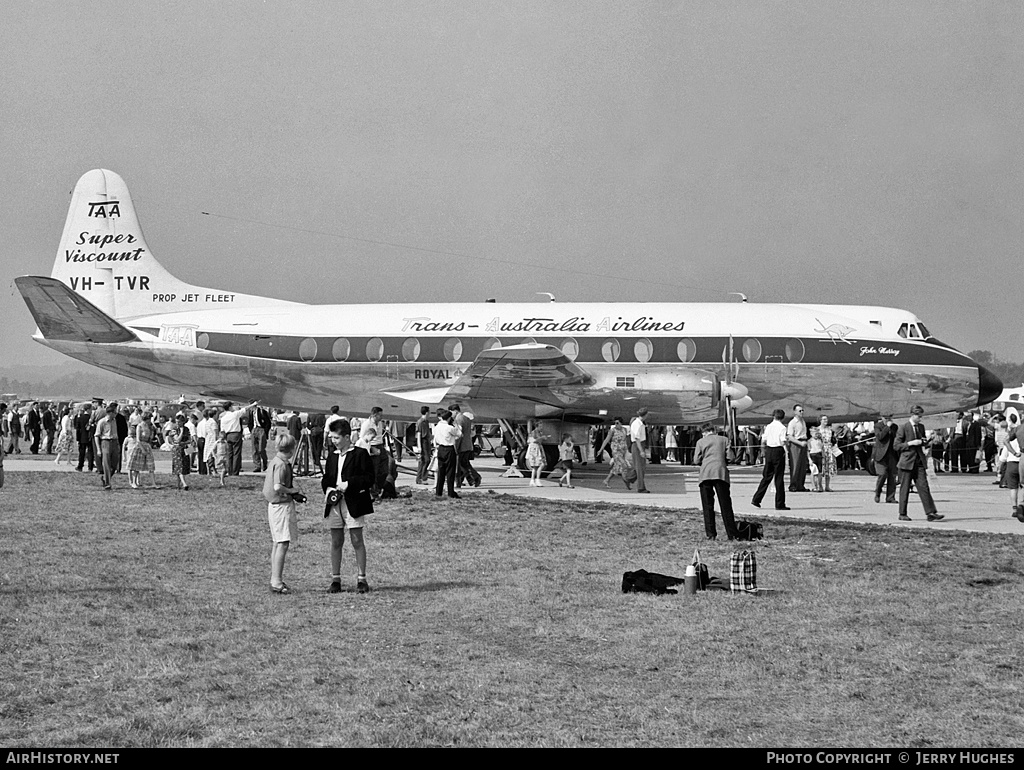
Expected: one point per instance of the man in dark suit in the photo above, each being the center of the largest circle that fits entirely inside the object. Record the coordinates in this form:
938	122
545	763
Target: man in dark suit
349	472
913	466
259	425
465	471
49	427
884	457
972	443
83	435
34	427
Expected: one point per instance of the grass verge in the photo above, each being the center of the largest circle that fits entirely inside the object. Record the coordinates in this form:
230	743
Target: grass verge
144	619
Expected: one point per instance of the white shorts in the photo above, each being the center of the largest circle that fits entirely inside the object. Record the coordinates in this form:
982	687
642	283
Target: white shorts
339	519
284	522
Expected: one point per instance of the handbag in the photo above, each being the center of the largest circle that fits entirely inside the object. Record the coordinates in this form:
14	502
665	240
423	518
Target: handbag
837	452
703	576
743	572
749	530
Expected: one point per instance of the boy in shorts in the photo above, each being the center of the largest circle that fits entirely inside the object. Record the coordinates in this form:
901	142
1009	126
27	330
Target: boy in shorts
349	474
280	496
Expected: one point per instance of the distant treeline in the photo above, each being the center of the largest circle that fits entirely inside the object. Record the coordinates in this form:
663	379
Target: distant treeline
74	383
1011	374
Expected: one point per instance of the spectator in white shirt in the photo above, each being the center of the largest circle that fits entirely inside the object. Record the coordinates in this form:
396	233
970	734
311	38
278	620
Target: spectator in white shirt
774	441
231	427
638	436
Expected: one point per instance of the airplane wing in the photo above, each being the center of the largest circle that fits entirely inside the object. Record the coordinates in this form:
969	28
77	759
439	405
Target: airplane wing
518	370
524	371
61	314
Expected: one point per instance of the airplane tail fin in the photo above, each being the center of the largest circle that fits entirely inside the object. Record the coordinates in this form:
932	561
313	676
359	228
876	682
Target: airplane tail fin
104	257
63	315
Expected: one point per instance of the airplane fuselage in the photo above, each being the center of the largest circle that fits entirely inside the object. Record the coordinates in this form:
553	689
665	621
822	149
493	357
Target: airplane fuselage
668	357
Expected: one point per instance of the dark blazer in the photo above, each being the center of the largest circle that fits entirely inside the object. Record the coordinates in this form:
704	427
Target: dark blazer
709	454
973	435
885	437
49	420
911	457
358	472
83	428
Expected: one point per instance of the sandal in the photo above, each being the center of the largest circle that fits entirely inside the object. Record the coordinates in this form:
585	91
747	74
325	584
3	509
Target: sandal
283	589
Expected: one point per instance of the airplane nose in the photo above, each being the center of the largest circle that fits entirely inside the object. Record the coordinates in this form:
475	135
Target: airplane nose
989	386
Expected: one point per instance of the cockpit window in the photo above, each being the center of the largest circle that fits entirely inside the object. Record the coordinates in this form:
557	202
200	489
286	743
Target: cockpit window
914	333
924	332
903	330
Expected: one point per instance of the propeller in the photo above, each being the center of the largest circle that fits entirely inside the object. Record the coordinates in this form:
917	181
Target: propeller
734	395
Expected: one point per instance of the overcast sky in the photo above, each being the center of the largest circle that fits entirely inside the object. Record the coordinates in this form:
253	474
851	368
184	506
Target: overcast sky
854	152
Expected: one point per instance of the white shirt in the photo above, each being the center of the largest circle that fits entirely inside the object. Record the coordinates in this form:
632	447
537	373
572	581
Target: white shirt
371	436
637	430
446	435
797	429
231	422
774	434
207	430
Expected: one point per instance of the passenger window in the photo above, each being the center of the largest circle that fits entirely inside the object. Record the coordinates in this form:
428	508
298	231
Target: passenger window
610	350
570	348
307	349
375	349
341	349
686	350
411	349
453	349
643	350
751	350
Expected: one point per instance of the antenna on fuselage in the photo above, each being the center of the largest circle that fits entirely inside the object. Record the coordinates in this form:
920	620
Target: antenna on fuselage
740	294
548	294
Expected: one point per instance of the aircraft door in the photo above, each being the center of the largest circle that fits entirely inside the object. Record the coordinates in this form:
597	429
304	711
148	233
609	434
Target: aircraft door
391	368
772	368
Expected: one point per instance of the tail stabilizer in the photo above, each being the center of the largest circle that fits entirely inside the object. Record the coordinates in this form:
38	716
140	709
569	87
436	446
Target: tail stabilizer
103	256
63	315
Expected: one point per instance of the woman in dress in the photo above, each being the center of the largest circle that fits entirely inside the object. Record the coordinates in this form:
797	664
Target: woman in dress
618	439
66	439
180	458
828	459
535	456
141	457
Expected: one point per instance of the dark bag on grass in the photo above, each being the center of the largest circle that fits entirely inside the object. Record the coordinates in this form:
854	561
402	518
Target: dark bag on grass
703	576
644	582
749	530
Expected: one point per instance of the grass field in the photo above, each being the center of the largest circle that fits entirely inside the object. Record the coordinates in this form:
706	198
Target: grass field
145	619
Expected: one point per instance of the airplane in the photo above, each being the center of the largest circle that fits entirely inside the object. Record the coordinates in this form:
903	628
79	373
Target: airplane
108	302
1010	401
